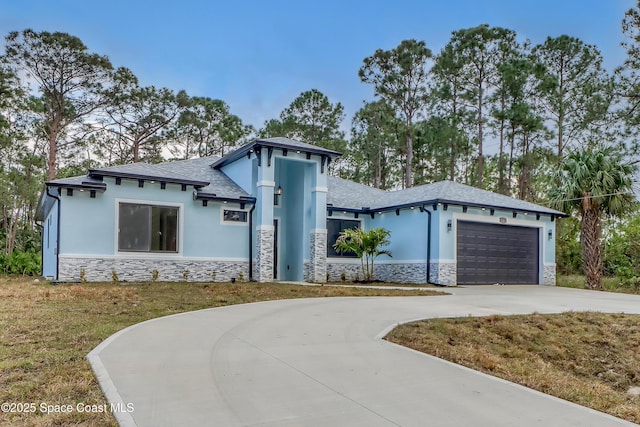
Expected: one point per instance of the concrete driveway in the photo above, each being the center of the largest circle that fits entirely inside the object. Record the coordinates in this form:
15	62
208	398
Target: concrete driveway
322	362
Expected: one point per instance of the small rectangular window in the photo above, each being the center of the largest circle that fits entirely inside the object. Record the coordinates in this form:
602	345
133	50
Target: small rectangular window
234	216
147	228
334	227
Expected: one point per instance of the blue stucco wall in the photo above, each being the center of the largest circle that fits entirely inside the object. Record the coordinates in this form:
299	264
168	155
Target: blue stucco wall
88	226
243	172
408	233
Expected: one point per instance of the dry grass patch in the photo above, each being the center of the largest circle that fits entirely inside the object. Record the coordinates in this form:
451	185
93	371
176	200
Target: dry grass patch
46	332
588	358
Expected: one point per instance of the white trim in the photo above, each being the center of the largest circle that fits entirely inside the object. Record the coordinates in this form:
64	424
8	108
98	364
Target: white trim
233	223
496	220
444	261
377	261
319	190
145	256
265	183
152	255
343	260
400	261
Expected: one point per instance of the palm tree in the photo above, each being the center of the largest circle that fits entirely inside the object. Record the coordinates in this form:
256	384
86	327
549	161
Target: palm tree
593	182
365	245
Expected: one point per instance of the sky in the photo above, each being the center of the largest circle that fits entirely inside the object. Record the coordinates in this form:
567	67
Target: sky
258	56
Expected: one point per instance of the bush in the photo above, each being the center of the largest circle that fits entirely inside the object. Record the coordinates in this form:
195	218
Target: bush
21	263
622	249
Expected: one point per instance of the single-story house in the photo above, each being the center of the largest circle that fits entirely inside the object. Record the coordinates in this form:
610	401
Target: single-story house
270	211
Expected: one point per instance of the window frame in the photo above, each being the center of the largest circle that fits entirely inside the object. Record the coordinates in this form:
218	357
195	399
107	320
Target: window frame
150	253
240	223
330	244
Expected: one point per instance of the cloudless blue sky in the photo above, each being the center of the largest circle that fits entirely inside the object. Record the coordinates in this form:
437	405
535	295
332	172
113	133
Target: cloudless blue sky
259	55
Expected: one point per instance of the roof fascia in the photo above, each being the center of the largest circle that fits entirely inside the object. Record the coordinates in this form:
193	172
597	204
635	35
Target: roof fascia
95	173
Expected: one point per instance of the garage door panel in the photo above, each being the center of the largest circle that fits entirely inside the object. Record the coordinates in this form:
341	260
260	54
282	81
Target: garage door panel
495	253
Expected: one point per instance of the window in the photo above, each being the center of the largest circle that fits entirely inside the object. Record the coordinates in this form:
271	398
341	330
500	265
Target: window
147	228
334	227
234	216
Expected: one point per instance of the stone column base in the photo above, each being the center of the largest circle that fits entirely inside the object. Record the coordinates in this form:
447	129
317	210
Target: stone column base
549	275
443	273
264	253
317	271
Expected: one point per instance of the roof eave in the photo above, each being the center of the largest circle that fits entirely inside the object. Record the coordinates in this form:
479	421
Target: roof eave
96	173
432	202
251	147
216	198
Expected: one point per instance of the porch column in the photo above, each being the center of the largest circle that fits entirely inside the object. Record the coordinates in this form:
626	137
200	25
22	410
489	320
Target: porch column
318	238
264	223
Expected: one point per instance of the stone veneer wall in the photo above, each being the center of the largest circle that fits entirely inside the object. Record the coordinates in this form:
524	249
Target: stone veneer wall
549	275
443	273
401	273
264	257
351	270
132	269
316	269
388	272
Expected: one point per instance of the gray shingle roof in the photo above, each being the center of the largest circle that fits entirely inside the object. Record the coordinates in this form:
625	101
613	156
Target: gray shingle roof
346	194
341	193
211	181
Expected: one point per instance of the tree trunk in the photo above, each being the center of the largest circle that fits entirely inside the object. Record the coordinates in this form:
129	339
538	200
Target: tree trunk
590	233
480	136
377	180
136	152
52	170
408	176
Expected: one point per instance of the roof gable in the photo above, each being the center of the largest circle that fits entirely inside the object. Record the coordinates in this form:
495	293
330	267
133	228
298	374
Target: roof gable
284	144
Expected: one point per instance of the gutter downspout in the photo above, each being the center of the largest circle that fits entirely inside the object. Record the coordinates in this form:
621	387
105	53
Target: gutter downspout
253	207
41	226
57	233
424	209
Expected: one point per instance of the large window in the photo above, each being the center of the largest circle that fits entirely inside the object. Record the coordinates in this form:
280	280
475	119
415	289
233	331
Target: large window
334	227
147	228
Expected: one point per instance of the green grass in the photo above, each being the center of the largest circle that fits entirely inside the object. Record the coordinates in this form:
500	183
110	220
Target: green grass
587	358
46	332
610	283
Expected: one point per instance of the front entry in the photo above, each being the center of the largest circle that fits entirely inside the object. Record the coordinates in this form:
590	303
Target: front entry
275	248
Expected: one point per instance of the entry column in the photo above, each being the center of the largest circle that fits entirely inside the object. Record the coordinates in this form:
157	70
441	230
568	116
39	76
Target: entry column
264	224
318	238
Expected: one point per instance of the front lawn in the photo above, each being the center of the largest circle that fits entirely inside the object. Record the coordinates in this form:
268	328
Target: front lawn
46	332
588	358
609	283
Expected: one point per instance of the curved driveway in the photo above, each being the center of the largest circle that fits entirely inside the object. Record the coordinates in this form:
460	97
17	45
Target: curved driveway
321	362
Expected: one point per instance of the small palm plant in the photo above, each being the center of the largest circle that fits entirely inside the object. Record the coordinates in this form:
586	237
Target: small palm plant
366	245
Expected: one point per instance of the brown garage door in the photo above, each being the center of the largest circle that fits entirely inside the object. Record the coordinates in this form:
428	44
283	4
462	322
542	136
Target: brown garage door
495	253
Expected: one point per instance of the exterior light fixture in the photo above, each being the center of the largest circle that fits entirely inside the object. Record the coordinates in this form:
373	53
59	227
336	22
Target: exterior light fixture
279	190
449	225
